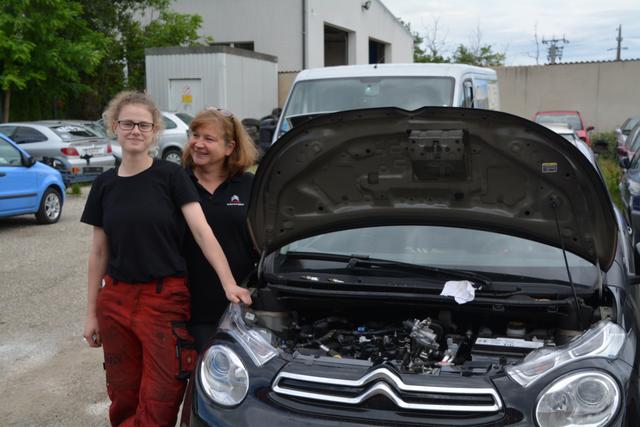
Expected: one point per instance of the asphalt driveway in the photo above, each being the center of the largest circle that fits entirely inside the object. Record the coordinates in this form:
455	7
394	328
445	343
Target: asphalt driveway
48	375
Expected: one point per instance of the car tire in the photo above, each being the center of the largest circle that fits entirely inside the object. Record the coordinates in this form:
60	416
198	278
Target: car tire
50	207
172	155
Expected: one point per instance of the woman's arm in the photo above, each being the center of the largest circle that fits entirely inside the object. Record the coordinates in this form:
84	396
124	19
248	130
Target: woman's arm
98	258
213	252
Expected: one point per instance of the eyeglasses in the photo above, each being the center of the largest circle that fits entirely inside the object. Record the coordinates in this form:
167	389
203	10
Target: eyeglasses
221	111
130	124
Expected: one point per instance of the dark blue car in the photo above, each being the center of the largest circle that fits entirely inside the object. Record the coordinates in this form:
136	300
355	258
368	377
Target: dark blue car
28	186
437	267
630	193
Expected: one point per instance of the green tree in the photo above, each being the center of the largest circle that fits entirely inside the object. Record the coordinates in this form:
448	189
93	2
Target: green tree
132	26
479	53
45	46
67	58
483	56
421	55
170	29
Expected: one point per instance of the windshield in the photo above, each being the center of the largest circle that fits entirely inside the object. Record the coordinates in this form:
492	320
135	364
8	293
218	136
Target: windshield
629	124
73	132
329	95
453	248
185	117
571	120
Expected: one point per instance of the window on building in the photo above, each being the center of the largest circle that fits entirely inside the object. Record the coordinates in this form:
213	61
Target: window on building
377	51
335	46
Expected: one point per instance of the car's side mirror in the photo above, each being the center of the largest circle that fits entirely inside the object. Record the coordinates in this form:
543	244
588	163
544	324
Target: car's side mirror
590	128
625	163
28	161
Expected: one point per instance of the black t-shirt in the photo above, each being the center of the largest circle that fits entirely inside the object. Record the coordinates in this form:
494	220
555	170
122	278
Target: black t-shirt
142	218
226	212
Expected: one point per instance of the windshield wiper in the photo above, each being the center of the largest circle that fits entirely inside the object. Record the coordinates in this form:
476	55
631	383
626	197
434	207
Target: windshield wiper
364	261
477	278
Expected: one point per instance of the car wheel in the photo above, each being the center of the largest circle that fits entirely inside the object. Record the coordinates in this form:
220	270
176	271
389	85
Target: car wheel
173	155
50	207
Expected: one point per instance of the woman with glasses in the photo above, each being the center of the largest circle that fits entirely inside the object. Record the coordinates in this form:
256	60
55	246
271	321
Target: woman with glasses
217	156
138	300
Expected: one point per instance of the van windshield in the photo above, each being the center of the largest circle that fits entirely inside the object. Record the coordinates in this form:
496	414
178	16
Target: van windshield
308	98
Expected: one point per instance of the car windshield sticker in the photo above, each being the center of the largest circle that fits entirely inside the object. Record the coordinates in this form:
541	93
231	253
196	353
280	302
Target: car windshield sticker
549	167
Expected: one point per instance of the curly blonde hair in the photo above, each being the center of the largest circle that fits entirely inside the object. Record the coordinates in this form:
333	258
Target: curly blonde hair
127	97
245	152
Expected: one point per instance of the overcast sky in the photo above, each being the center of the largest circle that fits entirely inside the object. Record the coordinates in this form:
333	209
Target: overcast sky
509	26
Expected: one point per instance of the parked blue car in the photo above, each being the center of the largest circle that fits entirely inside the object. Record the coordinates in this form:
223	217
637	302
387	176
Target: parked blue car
28	186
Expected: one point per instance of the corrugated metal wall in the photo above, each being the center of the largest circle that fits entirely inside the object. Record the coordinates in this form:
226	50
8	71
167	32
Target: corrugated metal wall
242	82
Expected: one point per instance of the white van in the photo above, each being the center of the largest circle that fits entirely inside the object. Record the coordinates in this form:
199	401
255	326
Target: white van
407	86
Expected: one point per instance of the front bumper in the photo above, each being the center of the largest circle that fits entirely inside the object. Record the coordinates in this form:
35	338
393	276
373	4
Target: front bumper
264	407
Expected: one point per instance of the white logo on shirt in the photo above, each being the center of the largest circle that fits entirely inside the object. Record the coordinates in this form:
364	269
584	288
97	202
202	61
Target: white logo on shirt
235	201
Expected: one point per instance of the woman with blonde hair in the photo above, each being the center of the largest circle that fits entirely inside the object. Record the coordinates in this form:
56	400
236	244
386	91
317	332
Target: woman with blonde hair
217	158
138	300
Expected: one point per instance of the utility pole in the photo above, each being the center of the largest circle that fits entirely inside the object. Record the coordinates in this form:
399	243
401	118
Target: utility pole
619	40
554	51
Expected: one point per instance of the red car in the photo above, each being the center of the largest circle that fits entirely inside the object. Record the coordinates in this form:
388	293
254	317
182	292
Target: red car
571	119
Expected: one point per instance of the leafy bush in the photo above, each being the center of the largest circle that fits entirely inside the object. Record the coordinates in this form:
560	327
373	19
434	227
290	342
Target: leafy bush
608	162
74	190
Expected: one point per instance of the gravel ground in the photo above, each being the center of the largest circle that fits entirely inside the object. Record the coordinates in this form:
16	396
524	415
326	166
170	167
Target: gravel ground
48	375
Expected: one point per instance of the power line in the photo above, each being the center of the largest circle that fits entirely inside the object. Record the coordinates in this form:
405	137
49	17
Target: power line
554	52
619	40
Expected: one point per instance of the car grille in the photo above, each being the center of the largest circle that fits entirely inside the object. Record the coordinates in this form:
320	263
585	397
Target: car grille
367	391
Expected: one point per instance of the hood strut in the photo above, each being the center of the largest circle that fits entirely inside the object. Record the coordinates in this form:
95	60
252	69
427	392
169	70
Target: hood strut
554	206
263	254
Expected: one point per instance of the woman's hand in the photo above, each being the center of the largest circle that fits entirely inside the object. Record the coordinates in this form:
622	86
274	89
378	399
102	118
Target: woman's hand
92	331
236	294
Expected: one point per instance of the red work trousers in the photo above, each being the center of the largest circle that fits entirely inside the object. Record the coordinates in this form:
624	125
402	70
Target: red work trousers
147	349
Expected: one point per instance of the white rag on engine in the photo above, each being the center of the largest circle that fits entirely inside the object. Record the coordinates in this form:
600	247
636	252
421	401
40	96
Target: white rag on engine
461	290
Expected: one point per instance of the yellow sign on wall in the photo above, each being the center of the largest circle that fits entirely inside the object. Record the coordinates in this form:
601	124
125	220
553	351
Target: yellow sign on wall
187	98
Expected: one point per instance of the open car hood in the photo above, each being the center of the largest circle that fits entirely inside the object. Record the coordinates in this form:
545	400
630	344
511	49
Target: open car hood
454	167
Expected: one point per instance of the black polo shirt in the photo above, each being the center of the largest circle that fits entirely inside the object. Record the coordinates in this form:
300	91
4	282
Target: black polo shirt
142	218
226	212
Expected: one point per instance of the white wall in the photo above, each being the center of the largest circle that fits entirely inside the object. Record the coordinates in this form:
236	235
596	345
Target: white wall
377	22
606	93
276	27
243	84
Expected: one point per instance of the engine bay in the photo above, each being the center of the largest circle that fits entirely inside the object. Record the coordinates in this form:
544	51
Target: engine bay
443	342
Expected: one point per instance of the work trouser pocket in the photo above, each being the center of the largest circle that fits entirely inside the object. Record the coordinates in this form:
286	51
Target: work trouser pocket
186	353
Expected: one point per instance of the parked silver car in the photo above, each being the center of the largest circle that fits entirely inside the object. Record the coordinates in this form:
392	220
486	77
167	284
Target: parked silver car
625	128
77	152
170	143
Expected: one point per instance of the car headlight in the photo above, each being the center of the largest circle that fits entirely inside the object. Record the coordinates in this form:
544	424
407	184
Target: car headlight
223	376
604	339
255	344
582	398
